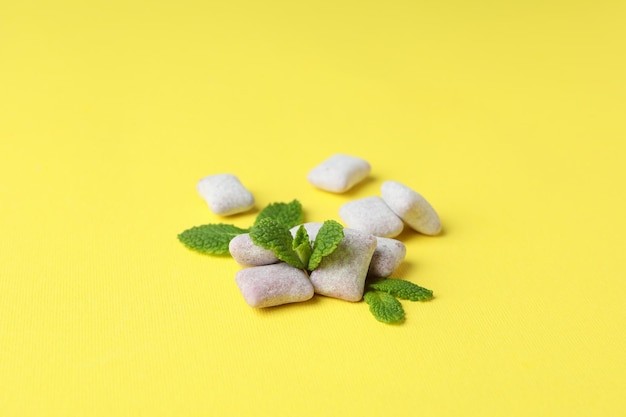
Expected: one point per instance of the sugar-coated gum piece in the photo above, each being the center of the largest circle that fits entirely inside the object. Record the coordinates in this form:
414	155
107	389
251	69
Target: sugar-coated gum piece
371	215
272	285
342	273
339	173
411	207
225	194
387	257
245	252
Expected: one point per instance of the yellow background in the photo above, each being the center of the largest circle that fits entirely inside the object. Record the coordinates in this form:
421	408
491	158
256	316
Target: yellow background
507	116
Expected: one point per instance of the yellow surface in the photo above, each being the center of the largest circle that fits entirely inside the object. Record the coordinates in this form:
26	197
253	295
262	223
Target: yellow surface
508	117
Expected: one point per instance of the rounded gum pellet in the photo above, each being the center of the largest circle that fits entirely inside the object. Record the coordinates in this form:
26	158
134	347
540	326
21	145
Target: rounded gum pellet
245	252
225	194
387	257
342	273
339	173
411	207
371	215
272	285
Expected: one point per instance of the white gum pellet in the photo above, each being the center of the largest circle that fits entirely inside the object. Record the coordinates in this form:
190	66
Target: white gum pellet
339	173
245	252
387	257
272	285
342	273
371	215
225	194
411	207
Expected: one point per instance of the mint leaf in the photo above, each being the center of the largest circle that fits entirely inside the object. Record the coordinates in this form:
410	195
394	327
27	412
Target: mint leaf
328	238
289	214
302	245
275	236
384	306
402	289
210	238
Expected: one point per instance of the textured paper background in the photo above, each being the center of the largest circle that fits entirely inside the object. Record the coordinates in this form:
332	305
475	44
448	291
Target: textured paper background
509	118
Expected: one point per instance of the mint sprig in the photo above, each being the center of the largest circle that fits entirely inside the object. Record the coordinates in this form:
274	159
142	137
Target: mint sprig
213	239
271	230
270	234
275	236
382	297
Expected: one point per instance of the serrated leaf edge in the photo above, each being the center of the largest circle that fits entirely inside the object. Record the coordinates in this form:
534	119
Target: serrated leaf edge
373	309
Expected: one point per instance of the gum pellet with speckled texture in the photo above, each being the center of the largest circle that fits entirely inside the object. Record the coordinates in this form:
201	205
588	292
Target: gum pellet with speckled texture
342	273
339	173
387	257
411	207
371	215
272	285
225	194
245	252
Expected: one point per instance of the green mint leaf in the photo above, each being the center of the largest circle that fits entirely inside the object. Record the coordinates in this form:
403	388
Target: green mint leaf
402	289
289	214
302	245
384	306
275	236
328	238
210	238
